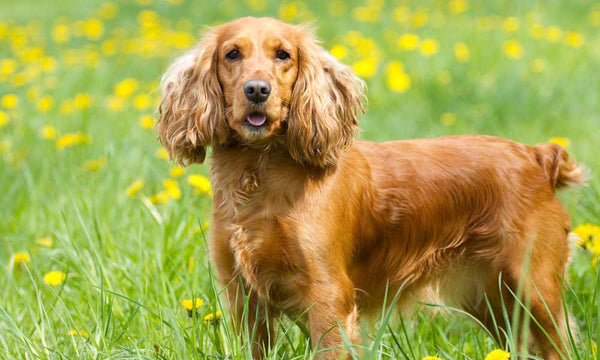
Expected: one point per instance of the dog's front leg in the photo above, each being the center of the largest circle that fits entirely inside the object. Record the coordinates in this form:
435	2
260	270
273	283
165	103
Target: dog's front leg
335	307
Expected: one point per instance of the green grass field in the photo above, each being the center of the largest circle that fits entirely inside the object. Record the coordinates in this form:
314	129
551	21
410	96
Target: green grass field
101	237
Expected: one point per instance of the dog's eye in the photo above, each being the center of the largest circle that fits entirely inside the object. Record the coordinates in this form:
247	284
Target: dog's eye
233	55
282	55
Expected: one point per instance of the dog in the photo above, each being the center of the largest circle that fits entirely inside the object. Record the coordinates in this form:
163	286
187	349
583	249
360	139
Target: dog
308	220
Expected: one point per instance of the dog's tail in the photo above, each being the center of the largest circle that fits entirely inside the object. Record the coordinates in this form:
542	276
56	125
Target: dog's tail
561	172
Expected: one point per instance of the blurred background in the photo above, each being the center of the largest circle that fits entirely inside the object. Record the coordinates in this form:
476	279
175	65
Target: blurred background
101	236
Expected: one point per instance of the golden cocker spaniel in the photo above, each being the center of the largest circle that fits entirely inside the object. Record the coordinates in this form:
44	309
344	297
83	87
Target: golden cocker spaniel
308	220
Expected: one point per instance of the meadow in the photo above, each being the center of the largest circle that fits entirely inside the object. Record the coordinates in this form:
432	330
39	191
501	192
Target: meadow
103	239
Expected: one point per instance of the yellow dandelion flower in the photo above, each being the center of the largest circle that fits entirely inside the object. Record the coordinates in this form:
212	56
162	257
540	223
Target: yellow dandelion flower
199	229
287	12
108	11
82	101
537	65
339	51
366	14
190	305
48	64
134	188
45	104
3	119
429	47
54	278
562	141
401	14
115	103
213	318
172	188
93	29
431	358
81	333
160	198
587	233
200	183
176	171
257	5
20	258
9	101
61	33
511	24
94	165
142	102
147	122
408	41
48	132
461	52
365	68
7	66
513	49
72	139
191	263
162	153
537	31
498	355
553	33
397	79
109	47
126	88
419	19
45	241
458	6
574	39
444	77
66	107
448	119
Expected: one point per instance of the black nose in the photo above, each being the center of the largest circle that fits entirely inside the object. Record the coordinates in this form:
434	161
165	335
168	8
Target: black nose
257	91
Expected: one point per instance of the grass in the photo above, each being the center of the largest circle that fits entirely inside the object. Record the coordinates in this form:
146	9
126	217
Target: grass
129	261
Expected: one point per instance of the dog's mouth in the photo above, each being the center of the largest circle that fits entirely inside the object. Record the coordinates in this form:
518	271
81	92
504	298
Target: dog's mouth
255	120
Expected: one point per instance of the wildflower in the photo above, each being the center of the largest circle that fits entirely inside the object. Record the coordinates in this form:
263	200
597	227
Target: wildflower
498	355
553	33
408	41
461	52
587	234
81	333
198	229
457	6
191	305
176	171
397	79
142	102
7	66
160	198
537	65
44	104
419	19
199	182
401	14
562	141
82	101
108	47
20	258
429	47
537	31
339	51
134	188
93	29
3	119
147	122
513	49
72	139
115	103
162	153
287	12
94	165
108	11
431	358
48	132
511	24
9	101
54	278
448	119
213	318
61	33
365	68
172	188
45	241
126	88
574	39
190	265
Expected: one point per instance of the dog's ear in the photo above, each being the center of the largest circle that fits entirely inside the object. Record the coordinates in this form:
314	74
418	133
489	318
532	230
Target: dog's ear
326	101
191	112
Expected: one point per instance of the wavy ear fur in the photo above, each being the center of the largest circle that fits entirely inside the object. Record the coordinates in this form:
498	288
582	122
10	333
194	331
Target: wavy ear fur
326	101
191	112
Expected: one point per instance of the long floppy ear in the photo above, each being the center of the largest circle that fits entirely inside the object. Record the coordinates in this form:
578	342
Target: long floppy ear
191	112
326	101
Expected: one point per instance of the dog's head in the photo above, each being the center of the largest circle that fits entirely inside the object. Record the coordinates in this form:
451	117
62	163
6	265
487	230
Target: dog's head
256	81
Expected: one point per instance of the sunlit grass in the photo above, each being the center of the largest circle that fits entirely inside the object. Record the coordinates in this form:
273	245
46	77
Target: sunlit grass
102	238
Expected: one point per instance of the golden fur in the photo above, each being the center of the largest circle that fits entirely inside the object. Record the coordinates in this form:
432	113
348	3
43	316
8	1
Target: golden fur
310	221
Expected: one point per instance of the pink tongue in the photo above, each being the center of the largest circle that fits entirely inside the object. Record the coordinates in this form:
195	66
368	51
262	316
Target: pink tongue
256	120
